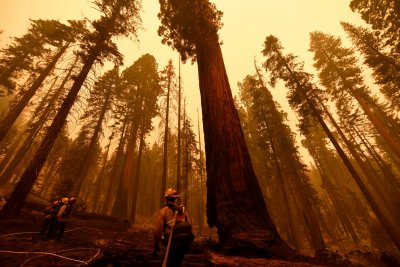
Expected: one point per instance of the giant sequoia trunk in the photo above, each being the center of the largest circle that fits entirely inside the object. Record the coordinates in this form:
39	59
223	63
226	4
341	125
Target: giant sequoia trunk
235	202
18	196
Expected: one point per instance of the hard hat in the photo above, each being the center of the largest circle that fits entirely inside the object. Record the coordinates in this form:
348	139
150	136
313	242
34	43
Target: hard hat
64	200
171	192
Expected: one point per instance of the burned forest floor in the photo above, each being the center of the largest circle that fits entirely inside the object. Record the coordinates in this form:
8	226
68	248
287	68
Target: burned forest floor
94	240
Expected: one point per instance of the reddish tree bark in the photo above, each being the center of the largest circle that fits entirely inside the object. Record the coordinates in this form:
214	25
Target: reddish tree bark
235	202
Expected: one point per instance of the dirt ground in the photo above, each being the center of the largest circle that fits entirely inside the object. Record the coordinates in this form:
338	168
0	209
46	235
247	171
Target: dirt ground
110	242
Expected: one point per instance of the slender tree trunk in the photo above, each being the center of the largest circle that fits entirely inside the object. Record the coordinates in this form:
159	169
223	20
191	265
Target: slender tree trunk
16	111
365	169
165	154
17	141
394	145
178	156
393	232
200	191
85	164
8	156
18	196
100	179
379	126
229	170
292	233
386	170
48	181
115	170
338	206
35	131
186	147
120	207
137	178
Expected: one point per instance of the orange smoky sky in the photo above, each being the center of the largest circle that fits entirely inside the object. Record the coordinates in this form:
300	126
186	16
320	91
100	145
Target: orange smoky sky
246	24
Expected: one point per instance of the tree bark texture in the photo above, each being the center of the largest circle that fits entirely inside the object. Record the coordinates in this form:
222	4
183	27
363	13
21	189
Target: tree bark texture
235	202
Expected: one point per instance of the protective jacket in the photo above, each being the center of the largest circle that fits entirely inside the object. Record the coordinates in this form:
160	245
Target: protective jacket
64	212
165	220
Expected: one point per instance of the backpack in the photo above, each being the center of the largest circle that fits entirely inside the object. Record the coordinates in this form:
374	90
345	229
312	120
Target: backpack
52	209
182	230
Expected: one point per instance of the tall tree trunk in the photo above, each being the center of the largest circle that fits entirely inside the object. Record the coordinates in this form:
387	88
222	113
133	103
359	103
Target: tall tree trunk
200	191
16	111
379	126
365	169
292	233
385	168
8	156
18	196
178	156
120	207
36	129
230	174
165	154
85	164
387	136
337	204
186	147
115	170
100	179
386	223
137	178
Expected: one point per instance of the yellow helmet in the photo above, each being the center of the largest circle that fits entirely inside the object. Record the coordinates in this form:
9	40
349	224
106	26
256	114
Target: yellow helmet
171	192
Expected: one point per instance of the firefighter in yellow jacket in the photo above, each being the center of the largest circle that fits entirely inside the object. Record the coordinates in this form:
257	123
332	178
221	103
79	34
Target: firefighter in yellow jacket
173	215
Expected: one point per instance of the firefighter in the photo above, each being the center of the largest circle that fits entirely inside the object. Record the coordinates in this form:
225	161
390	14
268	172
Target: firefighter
173	217
50	220
63	216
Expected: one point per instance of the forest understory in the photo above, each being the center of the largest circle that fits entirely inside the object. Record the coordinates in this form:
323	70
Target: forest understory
99	240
